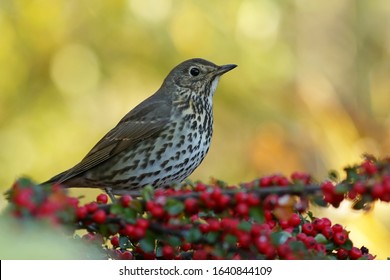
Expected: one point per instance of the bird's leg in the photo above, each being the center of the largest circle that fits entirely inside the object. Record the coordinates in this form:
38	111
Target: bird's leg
110	194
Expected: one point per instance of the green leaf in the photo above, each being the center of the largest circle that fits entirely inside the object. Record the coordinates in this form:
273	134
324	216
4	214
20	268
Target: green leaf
352	174
230	240
330	246
320	238
319	200
159	252
193	235
219	251
130	215
174	241
347	245
310	215
297	246
257	214
148	243
212	237
245	226
280	237
124	242
342	188
116	209
25	182
333	175
147	192
173	206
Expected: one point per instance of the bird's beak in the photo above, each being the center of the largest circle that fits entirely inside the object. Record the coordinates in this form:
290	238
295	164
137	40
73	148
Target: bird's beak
224	68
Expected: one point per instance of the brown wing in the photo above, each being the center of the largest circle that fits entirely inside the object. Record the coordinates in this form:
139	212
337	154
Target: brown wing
145	120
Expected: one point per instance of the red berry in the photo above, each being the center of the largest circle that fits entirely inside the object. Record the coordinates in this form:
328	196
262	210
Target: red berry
340	237
355	253
377	191
185	246
73	201
204	228
369	167
336	200
327	231
271	224
213	225
191	205
271	201
337	228
142	223
359	187
92	207
284	251
241	197
386	182
320	247
229	224
102	198
310	242
200	187
253	199
284	224
308	229
200	255
352	194
139	233
168	252
22	198
216	194
294	220
282	181
301	236
342	254
327	187
242	209
318	224
99	216
81	212
115	241
256	229
125	200
126	255
155	210
223	202
327	222
265	181
244	239
128	230
301	177
268	215
262	244
47	208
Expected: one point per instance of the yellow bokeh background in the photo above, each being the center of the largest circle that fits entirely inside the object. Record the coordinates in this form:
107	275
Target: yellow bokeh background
311	92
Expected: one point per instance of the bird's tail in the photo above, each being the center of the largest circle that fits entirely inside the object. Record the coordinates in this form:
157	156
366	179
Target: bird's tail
56	179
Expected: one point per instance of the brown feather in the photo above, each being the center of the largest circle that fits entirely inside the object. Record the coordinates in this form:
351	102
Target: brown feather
148	118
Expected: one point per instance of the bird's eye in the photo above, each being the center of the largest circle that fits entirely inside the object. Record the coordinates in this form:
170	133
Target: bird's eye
194	71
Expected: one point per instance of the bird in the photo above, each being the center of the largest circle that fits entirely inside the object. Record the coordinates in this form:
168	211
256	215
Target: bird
160	142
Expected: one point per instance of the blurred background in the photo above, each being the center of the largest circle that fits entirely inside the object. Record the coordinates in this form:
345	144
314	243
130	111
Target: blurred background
311	92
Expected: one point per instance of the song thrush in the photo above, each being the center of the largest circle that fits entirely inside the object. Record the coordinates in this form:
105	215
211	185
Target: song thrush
161	141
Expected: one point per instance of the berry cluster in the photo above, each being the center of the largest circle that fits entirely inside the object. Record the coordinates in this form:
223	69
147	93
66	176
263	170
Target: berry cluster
267	218
30	201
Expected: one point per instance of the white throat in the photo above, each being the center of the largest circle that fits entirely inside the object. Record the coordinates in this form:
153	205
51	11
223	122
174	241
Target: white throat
214	85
